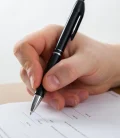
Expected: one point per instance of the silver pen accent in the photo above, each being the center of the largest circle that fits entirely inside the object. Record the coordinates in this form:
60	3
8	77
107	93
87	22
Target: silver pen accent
36	101
57	53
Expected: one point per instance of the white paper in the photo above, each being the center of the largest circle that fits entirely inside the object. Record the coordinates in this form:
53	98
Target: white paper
97	117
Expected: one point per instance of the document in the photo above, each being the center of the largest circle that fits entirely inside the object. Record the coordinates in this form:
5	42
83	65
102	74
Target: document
97	117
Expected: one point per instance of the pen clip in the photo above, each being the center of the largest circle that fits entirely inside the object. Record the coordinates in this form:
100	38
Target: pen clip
80	17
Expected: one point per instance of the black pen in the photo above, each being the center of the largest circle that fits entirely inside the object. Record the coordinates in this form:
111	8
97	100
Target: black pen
67	34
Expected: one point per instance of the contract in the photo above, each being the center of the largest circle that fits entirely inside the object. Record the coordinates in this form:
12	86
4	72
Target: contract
97	117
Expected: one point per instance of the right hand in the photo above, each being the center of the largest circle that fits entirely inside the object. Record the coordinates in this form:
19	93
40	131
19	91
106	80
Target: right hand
86	67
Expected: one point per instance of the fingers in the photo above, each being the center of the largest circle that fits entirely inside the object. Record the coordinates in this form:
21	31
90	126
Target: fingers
43	40
55	100
26	80
64	73
28	50
64	98
30	61
74	96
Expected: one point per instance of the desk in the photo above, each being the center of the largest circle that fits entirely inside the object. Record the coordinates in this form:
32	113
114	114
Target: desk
14	93
17	93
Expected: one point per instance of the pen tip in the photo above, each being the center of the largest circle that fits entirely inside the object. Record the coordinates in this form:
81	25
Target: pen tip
31	113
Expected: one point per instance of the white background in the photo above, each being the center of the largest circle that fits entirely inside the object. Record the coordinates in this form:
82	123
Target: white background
21	17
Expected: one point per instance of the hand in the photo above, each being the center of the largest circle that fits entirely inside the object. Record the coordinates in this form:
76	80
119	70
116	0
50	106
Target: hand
86	67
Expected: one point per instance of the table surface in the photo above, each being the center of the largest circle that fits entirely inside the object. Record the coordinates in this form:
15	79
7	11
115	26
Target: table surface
17	93
14	93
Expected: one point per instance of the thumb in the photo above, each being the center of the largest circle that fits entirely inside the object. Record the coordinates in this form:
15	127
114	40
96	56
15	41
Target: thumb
63	73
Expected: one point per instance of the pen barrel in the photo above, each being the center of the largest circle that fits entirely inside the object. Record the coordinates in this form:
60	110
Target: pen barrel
68	32
71	25
54	59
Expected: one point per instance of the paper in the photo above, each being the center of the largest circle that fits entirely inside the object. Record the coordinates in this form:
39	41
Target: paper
97	117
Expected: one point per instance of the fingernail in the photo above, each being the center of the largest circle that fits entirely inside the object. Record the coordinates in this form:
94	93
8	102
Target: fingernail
29	86
31	77
71	101
31	92
53	80
54	103
32	82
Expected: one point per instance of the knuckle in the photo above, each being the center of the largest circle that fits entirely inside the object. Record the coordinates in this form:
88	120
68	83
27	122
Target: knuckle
18	48
27	65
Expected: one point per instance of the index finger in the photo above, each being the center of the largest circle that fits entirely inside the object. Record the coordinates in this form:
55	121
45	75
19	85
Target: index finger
43	40
37	44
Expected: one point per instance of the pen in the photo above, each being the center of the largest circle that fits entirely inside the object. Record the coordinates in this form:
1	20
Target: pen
67	34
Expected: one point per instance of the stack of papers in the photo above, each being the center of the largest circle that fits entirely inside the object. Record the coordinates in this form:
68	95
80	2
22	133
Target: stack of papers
97	117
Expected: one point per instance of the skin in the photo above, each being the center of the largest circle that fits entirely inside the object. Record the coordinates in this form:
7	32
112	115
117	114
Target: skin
87	67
